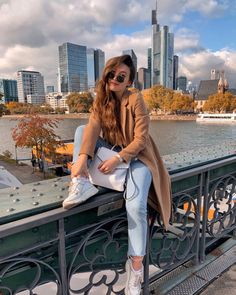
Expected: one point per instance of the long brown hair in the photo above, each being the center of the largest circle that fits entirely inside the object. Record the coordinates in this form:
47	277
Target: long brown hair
106	106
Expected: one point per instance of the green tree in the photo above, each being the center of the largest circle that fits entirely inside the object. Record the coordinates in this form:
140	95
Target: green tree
79	102
36	132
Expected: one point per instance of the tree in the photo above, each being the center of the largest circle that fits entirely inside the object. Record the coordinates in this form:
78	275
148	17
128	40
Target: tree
79	102
220	103
36	132
159	98
182	103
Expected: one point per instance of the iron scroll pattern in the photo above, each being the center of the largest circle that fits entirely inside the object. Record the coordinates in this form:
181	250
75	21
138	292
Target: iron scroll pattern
88	270
179	243
10	265
221	207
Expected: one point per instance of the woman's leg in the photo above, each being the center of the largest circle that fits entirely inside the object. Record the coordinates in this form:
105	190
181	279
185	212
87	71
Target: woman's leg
138	184
77	142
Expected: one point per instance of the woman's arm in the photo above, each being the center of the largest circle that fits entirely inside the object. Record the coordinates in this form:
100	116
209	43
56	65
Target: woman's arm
141	130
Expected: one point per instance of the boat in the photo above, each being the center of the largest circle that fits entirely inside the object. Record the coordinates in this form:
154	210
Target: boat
216	118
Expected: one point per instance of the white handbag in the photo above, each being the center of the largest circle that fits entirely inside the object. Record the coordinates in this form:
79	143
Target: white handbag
114	180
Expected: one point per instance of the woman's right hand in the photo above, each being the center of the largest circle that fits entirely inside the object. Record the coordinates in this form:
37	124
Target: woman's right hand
80	167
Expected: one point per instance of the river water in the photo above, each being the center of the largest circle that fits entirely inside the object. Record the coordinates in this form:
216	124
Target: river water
170	136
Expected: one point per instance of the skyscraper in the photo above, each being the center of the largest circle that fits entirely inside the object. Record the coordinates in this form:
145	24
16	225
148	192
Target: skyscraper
95	65
72	68
9	90
175	72
135	62
90	68
143	78
99	63
182	83
162	54
30	85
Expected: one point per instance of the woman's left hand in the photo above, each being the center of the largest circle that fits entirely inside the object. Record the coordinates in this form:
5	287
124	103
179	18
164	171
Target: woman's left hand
109	165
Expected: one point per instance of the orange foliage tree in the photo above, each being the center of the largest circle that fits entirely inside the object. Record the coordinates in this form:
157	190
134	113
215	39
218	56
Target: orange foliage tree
220	103
37	132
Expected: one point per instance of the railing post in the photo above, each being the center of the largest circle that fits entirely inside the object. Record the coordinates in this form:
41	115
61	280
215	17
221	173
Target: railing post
206	181
62	257
146	264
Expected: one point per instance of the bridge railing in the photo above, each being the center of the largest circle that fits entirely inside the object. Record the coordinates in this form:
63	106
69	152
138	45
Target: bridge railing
83	250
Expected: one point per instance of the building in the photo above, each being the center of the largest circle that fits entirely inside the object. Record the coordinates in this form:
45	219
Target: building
57	100
50	89
215	74
9	90
72	73
162	54
131	53
30	86
95	66
99	63
144	79
182	83
175	72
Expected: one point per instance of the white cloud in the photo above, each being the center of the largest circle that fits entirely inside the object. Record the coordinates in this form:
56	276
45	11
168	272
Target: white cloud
32	30
197	66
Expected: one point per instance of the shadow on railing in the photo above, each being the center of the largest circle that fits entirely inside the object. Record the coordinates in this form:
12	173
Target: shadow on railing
83	250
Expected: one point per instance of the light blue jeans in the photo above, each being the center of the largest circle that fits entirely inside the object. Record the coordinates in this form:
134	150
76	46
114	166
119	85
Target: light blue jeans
138	183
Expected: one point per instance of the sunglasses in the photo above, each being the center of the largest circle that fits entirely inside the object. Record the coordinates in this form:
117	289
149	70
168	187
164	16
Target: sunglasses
119	78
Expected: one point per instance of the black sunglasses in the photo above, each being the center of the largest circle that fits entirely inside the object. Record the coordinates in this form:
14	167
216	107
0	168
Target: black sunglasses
119	78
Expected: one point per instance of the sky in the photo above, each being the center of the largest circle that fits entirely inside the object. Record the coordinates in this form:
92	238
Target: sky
32	30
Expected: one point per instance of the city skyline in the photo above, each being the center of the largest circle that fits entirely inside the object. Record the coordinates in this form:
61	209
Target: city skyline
32	32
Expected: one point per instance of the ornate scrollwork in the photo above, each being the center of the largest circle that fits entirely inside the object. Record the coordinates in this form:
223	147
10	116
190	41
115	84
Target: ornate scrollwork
9	265
113	234
176	244
221	210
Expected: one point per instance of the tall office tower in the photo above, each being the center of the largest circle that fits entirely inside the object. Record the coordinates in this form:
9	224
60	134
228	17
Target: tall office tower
143	79
30	85
95	65
91	68
182	83
215	74
9	90
162	54
175	71
149	63
73	67
134	59
99	63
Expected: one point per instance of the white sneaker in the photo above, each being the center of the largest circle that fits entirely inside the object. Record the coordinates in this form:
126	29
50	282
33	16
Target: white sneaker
134	279
80	190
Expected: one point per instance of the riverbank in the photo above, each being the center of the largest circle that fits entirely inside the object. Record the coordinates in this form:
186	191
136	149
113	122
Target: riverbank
191	117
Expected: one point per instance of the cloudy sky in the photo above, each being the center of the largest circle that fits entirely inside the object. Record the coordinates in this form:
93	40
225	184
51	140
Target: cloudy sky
31	31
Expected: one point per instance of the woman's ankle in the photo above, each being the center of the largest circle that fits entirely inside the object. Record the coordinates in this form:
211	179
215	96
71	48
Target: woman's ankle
137	262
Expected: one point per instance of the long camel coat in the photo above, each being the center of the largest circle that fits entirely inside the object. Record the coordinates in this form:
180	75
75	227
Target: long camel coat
138	144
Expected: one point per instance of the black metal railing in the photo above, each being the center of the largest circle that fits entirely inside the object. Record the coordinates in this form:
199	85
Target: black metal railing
83	250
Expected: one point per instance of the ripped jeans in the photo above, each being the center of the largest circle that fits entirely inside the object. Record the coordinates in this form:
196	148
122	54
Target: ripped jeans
139	182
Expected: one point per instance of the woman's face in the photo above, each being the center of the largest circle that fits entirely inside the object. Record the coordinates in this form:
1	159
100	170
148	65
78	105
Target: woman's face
118	79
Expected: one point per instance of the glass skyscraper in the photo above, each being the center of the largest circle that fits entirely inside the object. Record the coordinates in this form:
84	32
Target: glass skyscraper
73	68
95	65
135	62
162	54
9	90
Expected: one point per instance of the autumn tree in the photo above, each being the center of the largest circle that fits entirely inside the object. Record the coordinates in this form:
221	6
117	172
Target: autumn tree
79	102
182	103
36	132
220	103
159	98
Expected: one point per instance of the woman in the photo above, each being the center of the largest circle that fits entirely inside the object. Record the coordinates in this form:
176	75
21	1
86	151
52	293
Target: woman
123	119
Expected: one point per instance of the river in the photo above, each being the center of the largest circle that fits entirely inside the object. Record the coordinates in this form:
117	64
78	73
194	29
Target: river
170	136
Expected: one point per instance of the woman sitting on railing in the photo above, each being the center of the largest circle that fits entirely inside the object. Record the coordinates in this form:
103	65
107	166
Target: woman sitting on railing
123	119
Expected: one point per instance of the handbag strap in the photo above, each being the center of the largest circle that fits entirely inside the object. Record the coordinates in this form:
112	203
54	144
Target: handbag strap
135	187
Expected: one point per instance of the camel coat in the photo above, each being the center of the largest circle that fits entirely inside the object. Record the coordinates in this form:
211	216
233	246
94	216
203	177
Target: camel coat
138	144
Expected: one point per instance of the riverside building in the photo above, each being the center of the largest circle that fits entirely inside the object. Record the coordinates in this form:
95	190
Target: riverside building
9	90
30	86
72	68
